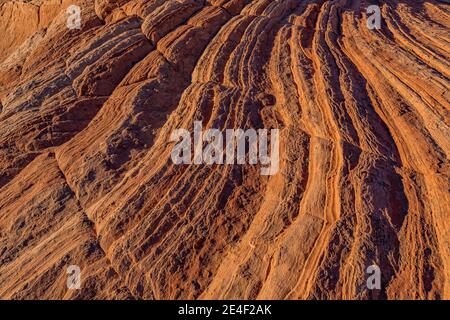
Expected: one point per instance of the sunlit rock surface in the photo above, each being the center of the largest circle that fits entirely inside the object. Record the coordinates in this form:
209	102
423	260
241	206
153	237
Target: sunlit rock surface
86	176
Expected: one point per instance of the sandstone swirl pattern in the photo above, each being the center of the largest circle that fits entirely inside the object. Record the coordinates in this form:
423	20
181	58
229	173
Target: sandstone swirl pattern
86	176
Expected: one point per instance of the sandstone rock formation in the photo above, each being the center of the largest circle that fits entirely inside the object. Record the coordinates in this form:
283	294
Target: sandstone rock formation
86	176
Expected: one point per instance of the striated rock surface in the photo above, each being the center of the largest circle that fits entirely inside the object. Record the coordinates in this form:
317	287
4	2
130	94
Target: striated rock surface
86	176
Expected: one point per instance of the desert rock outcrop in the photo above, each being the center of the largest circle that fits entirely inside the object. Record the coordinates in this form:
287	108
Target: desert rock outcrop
86	176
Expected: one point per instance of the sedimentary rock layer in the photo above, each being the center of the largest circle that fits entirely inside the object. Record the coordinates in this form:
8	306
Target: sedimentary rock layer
86	176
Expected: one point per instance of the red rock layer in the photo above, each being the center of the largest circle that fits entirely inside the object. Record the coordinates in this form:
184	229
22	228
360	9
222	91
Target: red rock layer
86	176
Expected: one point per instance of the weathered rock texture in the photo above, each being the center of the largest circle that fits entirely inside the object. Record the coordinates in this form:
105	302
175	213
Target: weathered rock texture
85	171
